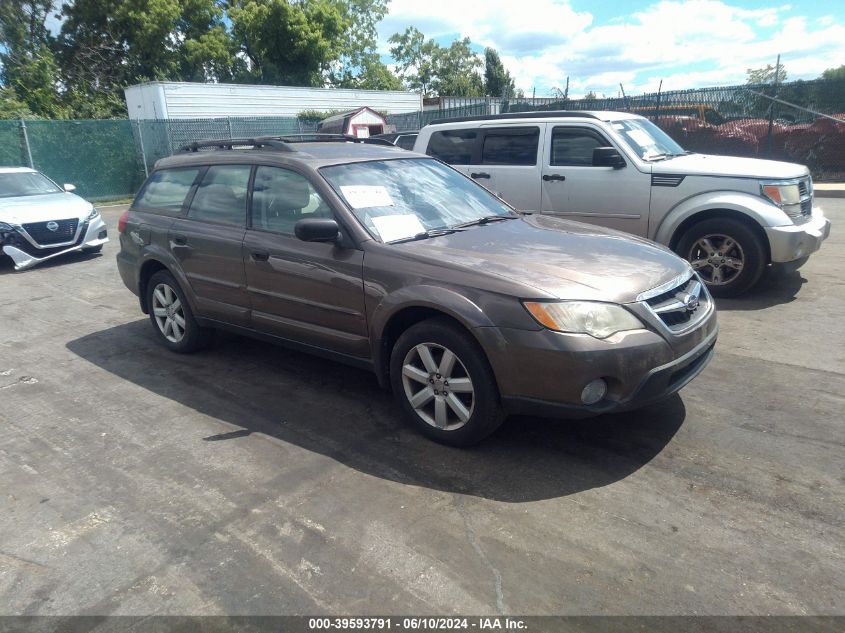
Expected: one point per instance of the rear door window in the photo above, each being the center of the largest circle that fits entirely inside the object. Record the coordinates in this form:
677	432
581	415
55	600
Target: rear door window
221	196
511	146
166	190
454	147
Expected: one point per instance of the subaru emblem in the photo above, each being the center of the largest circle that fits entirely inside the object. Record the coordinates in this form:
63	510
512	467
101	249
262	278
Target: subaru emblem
692	303
53	226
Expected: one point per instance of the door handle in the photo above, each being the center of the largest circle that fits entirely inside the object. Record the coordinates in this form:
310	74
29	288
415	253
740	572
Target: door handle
180	240
479	174
548	177
260	256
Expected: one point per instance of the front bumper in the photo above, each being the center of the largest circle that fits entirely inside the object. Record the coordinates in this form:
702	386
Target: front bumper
540	372
26	255
797	241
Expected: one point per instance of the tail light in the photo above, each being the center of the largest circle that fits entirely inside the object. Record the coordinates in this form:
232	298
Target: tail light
121	223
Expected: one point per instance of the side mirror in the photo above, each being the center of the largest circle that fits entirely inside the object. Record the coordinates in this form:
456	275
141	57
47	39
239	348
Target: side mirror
69	187
317	230
608	157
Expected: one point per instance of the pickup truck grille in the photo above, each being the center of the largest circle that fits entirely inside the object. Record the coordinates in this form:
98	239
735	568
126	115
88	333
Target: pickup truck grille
682	306
806	195
65	231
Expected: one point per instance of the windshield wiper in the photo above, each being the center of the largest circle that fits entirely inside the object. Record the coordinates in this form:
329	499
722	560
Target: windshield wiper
427	234
487	219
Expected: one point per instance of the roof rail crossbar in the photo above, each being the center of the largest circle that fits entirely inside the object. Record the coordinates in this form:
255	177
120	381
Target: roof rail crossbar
231	143
537	114
317	137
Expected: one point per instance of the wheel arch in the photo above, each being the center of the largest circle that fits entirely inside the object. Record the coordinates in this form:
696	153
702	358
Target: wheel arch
733	214
389	324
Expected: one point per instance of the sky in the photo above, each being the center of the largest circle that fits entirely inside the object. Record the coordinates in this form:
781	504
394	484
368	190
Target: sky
600	44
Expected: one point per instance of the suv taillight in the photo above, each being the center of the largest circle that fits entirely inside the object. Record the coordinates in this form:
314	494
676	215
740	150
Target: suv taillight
121	223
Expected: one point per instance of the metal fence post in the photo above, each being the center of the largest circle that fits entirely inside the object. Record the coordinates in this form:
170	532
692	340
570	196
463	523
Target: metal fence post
229	126
143	152
26	144
769	147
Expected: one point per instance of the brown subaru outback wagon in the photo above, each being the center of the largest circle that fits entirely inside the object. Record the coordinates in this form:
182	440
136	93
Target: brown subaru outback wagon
395	262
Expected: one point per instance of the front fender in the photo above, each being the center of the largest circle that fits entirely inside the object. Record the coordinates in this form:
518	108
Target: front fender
762	212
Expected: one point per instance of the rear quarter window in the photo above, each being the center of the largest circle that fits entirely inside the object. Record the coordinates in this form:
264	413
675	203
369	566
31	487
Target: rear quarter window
165	190
512	146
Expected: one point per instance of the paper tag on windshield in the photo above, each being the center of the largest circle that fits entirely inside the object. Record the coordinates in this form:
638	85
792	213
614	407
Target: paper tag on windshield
366	196
397	227
640	138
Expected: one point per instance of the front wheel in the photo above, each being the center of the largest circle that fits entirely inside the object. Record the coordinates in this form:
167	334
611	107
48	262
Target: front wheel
727	255
444	383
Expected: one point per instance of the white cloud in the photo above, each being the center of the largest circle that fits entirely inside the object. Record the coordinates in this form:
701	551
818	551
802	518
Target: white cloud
687	43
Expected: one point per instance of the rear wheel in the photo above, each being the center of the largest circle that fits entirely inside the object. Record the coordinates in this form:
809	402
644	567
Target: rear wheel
728	256
444	383
171	315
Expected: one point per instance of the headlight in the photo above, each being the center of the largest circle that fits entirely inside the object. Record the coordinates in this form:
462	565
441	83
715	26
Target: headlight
94	213
583	317
787	196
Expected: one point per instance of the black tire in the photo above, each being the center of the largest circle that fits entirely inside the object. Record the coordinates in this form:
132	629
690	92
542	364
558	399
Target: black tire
90	250
194	337
485	413
748	245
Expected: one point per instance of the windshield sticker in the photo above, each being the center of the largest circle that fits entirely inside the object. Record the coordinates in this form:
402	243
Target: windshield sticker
618	126
640	138
397	227
366	196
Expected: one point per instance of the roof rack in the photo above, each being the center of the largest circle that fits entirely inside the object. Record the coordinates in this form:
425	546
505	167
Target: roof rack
542	114
281	143
231	143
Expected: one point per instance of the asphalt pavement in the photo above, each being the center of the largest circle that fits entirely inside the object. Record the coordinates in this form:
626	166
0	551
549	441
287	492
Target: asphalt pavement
248	479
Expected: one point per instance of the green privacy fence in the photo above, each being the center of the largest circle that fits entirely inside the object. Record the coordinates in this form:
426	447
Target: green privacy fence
109	159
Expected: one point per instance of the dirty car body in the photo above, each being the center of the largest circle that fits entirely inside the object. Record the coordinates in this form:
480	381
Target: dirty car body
395	262
40	220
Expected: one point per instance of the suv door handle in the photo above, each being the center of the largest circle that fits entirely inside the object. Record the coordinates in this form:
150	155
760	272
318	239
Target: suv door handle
479	174
260	256
548	177
180	240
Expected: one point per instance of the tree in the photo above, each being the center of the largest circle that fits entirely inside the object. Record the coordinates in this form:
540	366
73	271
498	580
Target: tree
29	67
455	70
497	80
359	65
834	73
11	107
414	55
590	95
765	75
288	42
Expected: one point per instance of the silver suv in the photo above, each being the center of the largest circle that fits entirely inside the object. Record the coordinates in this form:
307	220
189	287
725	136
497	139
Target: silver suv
729	217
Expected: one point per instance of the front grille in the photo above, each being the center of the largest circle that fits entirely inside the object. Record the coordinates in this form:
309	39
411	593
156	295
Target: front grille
673	307
65	231
806	197
24	245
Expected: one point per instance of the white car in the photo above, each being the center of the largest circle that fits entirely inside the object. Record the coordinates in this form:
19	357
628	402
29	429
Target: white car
730	217
40	220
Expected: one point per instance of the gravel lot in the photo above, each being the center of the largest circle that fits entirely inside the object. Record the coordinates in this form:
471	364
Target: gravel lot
248	479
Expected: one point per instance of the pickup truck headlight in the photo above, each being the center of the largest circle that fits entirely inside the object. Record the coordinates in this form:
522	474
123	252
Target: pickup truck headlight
599	320
787	196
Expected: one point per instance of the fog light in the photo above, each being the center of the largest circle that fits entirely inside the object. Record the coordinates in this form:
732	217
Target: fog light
594	391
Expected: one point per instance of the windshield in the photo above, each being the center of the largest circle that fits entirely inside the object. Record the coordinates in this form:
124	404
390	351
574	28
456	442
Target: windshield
26	183
398	199
646	139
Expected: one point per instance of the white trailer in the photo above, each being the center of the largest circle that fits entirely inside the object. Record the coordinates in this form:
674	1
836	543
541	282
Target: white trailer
183	100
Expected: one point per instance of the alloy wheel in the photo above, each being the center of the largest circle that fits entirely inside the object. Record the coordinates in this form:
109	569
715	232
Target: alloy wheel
438	386
169	313
717	258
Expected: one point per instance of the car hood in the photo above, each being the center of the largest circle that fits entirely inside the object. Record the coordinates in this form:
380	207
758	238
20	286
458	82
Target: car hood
557	258
50	206
711	165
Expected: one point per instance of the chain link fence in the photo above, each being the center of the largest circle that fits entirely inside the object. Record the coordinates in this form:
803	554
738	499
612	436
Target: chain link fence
109	159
